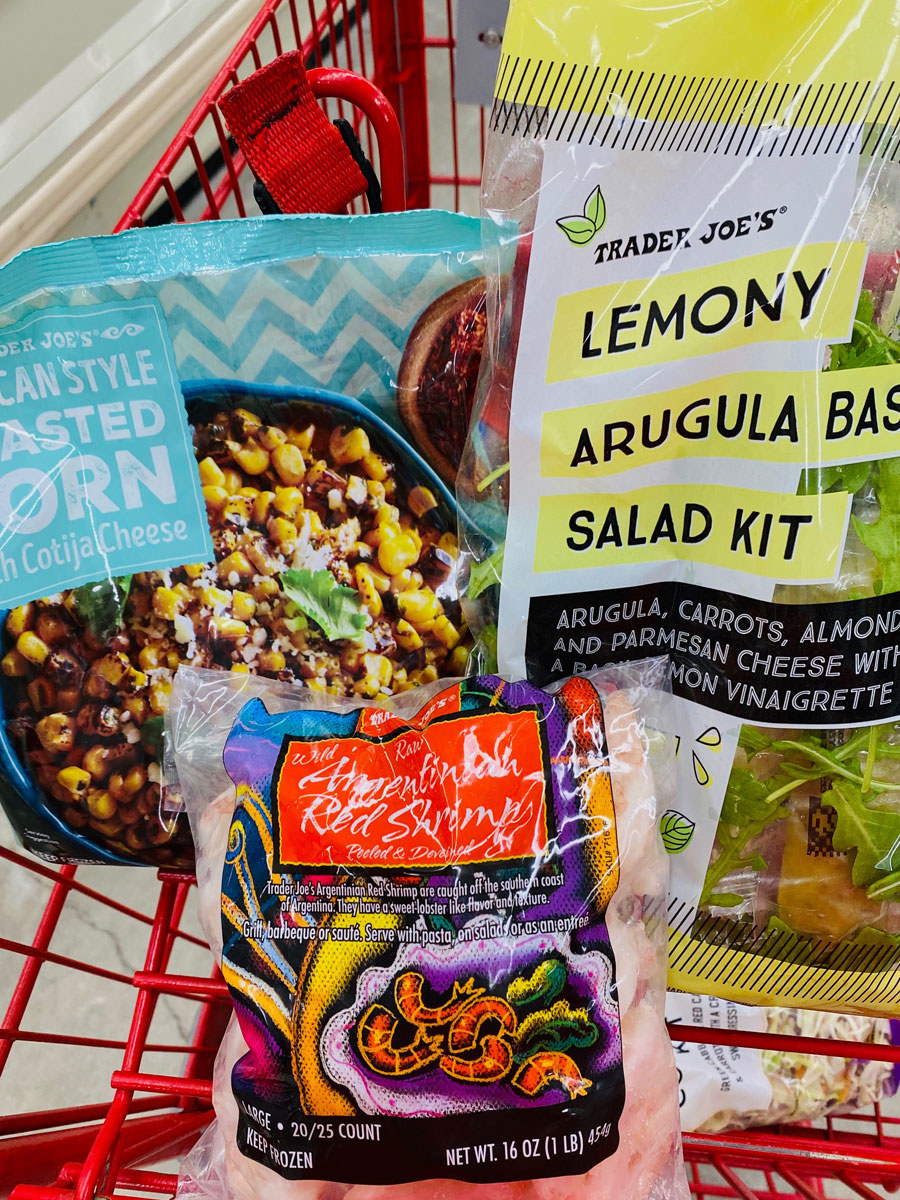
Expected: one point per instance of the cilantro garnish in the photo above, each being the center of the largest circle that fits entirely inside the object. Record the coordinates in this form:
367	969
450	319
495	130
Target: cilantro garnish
334	608
100	605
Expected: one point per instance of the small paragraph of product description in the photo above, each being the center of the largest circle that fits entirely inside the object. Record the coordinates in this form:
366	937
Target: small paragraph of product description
384	911
770	663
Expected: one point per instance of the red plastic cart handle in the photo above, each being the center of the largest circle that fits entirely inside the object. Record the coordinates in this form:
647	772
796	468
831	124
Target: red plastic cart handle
331	82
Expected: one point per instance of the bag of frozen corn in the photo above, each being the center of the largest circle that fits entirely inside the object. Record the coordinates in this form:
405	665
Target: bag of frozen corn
688	443
202	460
441	922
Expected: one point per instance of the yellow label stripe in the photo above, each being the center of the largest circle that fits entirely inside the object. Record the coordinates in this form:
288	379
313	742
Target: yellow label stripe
808	417
764	533
829	44
753	979
777	296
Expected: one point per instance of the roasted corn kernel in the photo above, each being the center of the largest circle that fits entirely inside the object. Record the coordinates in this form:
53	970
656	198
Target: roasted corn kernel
445	632
419	606
288	501
56	732
97	762
302	437
235	566
312	523
51	628
30	646
233	482
261	506
271	437
271	660
226	627
289	465
237	509
407	637
375	466
252	458
75	780
100	804
166	603
378	667
210	473
348	445
397	554
283	533
247	419
159	694
215	597
215	496
20	618
14	664
365	585
243	606
150	658
421	500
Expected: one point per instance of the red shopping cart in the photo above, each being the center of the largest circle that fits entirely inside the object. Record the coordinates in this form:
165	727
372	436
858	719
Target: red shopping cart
159	1062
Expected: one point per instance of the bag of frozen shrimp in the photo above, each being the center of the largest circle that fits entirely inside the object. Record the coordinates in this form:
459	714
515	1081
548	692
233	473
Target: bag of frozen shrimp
688	443
441	919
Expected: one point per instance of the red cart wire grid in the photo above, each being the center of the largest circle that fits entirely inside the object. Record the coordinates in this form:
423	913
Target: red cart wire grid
157	1059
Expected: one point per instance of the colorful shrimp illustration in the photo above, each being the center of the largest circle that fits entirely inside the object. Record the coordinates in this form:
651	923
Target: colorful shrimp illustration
474	1037
410	1005
465	1032
542	1070
491	1065
375	1041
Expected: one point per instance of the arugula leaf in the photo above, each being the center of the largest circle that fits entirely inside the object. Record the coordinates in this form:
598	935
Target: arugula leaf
846	477
485	574
100	605
872	833
487	650
750	804
883	536
334	608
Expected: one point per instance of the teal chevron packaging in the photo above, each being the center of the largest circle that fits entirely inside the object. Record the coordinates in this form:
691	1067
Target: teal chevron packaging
233	445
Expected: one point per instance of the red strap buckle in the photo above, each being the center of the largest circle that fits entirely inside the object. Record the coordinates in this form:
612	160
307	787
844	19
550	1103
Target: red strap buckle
289	142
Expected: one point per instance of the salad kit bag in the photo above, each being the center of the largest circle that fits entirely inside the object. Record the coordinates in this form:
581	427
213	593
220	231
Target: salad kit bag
203	460
442	923
688	443
738	1087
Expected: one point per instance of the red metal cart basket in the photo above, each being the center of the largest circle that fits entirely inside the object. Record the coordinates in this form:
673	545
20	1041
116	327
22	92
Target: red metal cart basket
139	951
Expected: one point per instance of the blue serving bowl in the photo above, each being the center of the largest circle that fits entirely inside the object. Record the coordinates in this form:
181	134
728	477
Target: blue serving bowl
203	399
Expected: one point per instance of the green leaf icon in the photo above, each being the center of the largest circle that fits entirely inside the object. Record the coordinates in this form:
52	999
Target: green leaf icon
595	209
676	829
579	230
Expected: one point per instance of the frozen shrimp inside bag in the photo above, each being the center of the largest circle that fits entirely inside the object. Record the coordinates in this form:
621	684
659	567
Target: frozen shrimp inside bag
441	921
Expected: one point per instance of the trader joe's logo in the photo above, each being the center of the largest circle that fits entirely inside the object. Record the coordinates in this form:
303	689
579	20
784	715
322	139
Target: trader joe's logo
584	228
